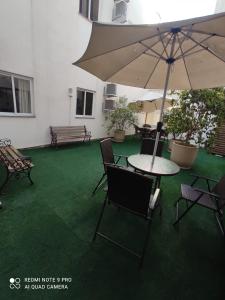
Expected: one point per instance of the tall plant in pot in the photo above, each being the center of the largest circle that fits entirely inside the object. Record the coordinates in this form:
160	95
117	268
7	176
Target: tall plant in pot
120	119
195	117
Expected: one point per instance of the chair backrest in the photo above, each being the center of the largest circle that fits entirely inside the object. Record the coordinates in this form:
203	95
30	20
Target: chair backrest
219	189
137	128
129	190
154	132
107	152
147	147
147	126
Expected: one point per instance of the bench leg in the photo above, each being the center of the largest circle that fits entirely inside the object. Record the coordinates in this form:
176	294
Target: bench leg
29	177
5	182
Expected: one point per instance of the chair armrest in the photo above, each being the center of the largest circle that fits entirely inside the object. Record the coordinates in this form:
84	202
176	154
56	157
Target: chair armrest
203	177
119	157
153	199
206	192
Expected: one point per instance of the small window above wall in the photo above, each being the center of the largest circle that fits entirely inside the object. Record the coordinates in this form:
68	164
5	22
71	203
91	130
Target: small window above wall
15	95
89	9
84	103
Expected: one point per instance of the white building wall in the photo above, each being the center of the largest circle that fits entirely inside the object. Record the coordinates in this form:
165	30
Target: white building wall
220	6
41	39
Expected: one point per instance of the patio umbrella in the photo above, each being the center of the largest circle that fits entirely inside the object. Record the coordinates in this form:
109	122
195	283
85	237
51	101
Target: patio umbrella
150	106
188	54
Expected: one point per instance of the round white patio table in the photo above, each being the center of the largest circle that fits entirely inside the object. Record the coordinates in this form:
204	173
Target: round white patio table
161	166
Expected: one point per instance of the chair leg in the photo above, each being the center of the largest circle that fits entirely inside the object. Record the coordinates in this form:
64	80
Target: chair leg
100	219
145	242
187	209
219	219
99	183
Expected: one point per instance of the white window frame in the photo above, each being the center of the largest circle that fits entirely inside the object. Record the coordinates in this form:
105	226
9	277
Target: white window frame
16	114
93	104
89	11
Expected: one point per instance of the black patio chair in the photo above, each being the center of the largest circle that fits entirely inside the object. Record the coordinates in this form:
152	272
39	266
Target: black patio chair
162	135
137	130
147	146
212	198
107	158
133	192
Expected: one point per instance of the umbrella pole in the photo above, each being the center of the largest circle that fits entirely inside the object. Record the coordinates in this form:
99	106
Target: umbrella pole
169	62
146	117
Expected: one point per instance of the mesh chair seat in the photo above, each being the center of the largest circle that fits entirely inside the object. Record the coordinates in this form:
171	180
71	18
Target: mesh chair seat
212	198
191	195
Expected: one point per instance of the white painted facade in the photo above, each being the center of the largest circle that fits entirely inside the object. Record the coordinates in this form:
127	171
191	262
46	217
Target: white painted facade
40	39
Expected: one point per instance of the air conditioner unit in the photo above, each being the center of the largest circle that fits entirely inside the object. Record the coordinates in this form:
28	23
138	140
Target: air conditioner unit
111	90
120	11
109	104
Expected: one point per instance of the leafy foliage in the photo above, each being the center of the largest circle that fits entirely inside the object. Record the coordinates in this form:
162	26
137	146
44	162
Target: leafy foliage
122	117
196	115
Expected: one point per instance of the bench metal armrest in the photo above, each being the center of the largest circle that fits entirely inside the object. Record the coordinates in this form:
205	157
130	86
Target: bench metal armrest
24	157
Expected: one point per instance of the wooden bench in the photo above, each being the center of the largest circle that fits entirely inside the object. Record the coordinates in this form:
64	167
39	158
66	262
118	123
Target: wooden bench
15	163
67	134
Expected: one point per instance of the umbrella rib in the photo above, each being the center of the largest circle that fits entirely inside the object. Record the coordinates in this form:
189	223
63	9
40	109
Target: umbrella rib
205	48
150	76
118	70
185	65
206	33
151	55
150	48
143	52
132	43
183	39
191	53
196	45
160	36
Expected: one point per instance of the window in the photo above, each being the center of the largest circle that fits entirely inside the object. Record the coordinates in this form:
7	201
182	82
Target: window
89	9
15	95
84	105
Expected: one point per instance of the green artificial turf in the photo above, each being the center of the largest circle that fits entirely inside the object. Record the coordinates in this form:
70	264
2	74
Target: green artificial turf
46	231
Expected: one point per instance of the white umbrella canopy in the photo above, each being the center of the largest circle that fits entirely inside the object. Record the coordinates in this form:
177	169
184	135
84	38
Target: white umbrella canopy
188	54
139	55
149	106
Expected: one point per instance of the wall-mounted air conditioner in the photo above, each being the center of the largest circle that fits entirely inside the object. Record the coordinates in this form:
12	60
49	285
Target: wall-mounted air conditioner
120	11
109	104
110	90
110	97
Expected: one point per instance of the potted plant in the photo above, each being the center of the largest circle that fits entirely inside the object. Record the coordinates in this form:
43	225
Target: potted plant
194	120
120	119
174	125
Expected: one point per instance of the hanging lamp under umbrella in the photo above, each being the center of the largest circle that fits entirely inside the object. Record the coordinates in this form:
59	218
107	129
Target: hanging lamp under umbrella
188	54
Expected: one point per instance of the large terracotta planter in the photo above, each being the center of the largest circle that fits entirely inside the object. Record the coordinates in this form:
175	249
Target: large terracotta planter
119	135
183	154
